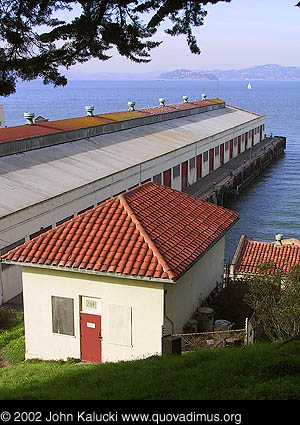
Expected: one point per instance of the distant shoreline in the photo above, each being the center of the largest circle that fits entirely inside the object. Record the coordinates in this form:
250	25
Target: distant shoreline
184	79
258	73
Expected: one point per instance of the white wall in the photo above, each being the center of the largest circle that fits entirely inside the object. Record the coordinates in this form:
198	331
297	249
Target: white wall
226	153
183	297
205	166
12	276
192	176
146	300
216	159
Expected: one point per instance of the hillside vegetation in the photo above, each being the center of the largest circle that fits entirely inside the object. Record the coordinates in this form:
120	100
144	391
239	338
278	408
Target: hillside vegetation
241	373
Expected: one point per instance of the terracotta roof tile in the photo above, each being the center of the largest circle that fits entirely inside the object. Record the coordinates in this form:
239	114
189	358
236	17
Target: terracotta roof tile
254	253
151	231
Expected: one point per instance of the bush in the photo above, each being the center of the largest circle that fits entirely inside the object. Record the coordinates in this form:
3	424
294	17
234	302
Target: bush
9	318
275	298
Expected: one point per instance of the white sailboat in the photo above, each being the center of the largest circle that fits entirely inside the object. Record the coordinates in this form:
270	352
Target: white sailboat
249	86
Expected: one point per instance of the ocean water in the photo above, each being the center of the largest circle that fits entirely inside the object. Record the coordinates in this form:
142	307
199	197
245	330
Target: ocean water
270	205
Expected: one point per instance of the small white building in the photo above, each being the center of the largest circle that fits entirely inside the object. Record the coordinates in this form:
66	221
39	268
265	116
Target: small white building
250	254
53	171
108	284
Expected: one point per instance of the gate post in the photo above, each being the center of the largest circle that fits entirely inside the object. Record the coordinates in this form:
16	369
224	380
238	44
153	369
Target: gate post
246	332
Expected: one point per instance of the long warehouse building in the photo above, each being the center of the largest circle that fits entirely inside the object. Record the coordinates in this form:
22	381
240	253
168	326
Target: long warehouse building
51	171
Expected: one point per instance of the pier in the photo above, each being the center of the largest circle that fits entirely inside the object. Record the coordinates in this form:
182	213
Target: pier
225	183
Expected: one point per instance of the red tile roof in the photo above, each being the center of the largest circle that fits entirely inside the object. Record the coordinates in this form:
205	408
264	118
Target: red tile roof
151	231
254	253
39	129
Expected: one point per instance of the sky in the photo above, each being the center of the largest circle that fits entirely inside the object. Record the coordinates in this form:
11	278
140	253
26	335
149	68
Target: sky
235	35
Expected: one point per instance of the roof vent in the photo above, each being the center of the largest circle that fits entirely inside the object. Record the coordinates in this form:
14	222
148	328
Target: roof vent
185	99
203	96
161	101
39	119
89	110
29	117
278	238
131	106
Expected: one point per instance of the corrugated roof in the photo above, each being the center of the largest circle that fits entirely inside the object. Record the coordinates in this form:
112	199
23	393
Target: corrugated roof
58	126
151	231
34	176
254	253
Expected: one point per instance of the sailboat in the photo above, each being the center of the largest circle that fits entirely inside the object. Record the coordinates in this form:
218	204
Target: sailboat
249	86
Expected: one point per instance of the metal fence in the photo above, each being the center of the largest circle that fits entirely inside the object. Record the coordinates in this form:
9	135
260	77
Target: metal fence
222	338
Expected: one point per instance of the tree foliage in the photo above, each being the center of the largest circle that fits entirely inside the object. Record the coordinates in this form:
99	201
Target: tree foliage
34	42
275	299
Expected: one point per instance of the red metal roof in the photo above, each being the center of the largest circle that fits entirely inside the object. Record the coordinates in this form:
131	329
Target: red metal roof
255	253
151	231
39	129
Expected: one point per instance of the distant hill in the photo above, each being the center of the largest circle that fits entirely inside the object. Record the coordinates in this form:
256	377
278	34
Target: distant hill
262	72
185	74
111	76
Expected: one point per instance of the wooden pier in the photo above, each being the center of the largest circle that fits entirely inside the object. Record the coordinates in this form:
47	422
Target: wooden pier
225	183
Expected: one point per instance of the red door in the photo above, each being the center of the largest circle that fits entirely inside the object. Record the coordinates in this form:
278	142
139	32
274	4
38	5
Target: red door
184	174
167	178
90	331
211	159
231	149
222	154
239	144
199	166
246	141
261	132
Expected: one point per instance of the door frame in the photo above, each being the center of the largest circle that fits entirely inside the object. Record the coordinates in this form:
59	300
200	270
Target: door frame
184	174
167	178
211	159
199	166
99	336
230	149
91	306
221	153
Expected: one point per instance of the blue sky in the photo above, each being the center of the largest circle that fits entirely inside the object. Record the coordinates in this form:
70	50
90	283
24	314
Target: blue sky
239	34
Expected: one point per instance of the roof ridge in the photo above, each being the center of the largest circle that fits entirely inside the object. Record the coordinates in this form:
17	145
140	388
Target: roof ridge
147	238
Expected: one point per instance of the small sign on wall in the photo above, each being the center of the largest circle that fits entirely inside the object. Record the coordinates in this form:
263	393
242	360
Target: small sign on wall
91	305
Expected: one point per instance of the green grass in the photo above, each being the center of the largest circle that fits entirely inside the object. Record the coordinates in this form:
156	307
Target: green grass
11	335
13	352
240	373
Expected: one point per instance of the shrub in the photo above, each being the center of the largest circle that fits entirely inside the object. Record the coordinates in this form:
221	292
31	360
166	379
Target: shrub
9	317
275	298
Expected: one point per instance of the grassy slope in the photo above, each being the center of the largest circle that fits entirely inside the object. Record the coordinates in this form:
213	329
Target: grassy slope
258	372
